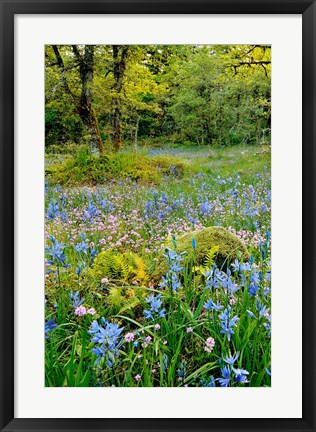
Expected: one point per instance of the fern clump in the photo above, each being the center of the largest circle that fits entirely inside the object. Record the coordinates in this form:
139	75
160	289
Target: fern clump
125	267
122	270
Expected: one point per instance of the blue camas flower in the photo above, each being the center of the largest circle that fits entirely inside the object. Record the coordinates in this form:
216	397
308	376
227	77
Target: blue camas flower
254	282
210	305
224	382
164	362
253	289
205	208
221	278
91	212
49	326
227	323
75	299
232	287
208	383
182	371
236	265
93	252
231	359
82	247
241	376
155	307
53	210
267	325
107	336
56	254
245	267
251	314
173	259
263	310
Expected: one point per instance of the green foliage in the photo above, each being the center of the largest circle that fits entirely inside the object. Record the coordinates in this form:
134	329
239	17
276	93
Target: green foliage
229	246
125	266
61	124
209	261
69	360
209	94
71	373
125	299
223	96
211	256
121	269
213	244
85	169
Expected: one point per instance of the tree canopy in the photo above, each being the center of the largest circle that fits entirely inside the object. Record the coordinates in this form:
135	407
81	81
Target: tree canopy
110	95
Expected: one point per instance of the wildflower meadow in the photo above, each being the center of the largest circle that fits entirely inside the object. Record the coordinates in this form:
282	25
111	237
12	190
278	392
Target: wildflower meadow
158	255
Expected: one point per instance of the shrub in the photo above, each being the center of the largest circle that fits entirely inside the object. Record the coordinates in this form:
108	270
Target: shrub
84	169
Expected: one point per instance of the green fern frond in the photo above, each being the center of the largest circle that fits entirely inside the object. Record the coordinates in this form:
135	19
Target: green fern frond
130	304
140	270
115	297
210	257
126	270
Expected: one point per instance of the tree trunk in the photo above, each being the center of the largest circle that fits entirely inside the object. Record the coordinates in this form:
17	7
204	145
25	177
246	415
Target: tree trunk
89	119
238	109
116	125
84	108
120	53
83	104
136	132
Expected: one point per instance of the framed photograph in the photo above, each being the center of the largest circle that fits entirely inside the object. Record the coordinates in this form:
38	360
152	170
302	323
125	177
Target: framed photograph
157	195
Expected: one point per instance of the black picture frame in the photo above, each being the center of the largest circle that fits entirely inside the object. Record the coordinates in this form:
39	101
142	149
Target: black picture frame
8	9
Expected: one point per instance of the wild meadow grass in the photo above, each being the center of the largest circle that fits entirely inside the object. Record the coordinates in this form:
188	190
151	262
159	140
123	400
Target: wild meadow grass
112	319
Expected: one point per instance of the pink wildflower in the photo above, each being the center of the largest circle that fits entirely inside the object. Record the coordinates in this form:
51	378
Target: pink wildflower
80	311
129	337
91	311
137	377
209	344
104	280
157	326
189	330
